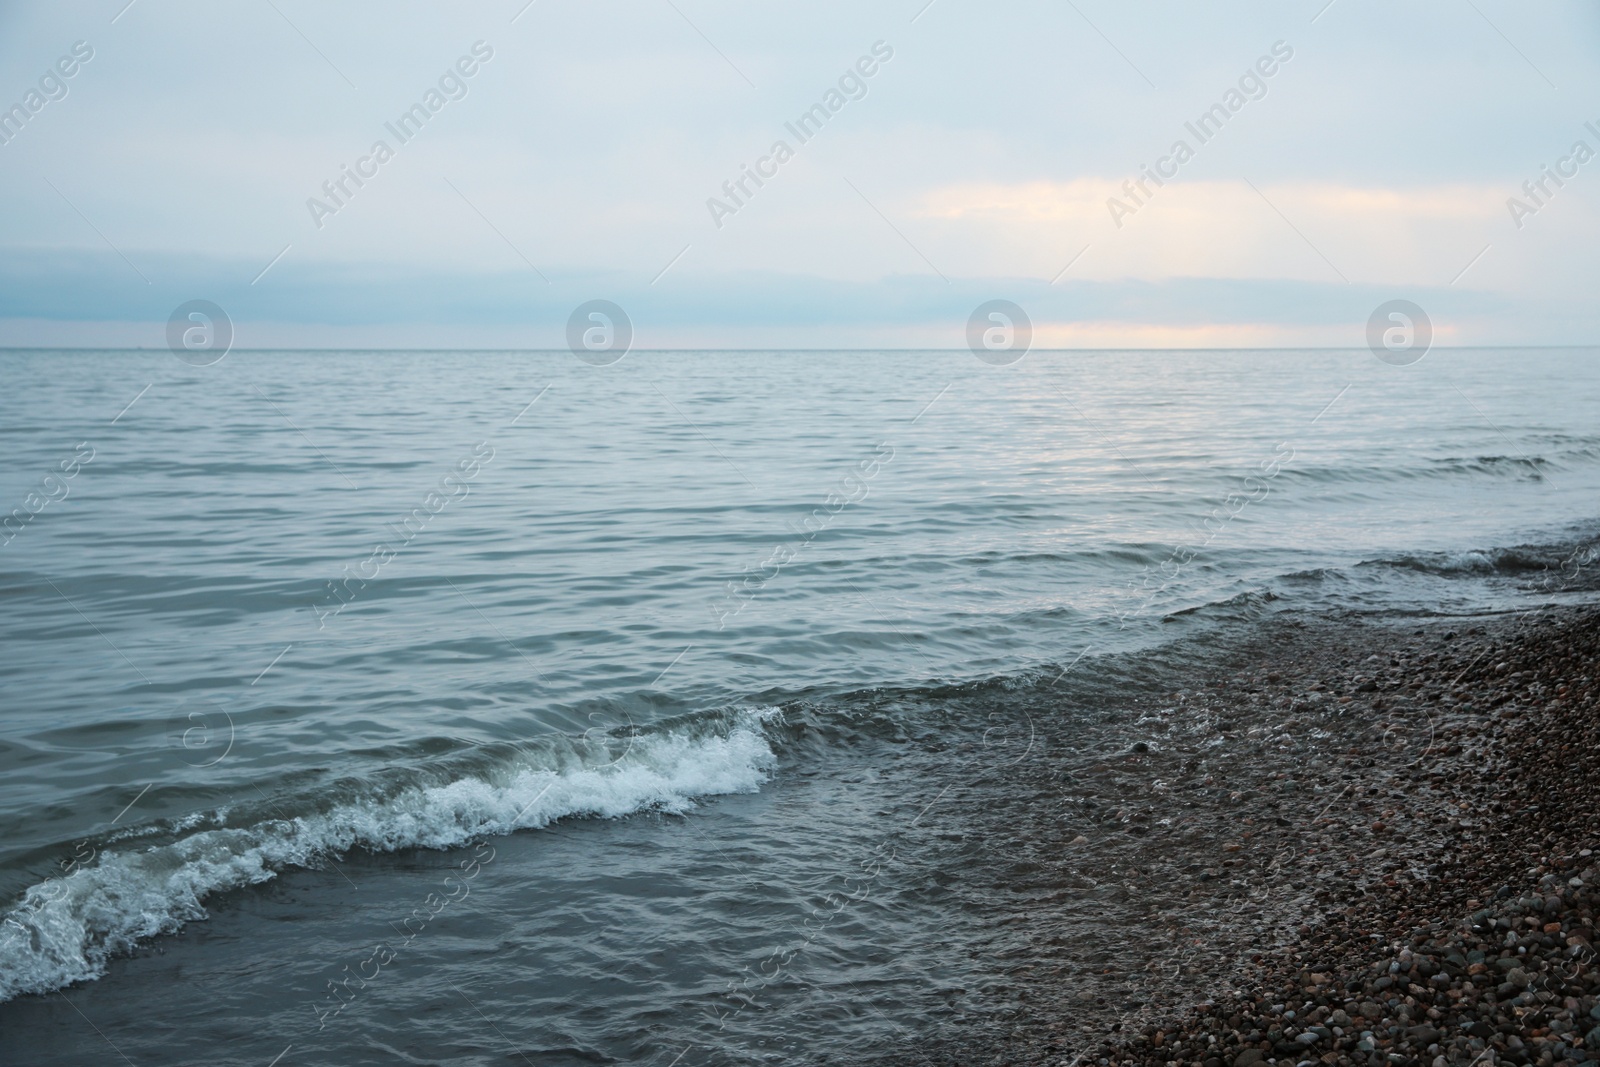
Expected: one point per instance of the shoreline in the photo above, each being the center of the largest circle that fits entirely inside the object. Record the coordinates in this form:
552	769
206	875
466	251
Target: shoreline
1308	839
1222	828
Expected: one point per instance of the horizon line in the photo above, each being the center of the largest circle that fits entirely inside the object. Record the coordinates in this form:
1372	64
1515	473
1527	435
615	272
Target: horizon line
559	351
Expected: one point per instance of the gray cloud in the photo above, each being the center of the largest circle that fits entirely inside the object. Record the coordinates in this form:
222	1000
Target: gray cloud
193	140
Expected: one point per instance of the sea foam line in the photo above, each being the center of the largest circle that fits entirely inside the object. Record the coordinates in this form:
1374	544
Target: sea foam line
65	930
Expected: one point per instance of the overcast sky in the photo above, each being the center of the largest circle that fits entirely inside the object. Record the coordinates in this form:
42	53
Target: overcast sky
976	162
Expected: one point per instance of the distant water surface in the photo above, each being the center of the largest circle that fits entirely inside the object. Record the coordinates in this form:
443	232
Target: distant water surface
297	640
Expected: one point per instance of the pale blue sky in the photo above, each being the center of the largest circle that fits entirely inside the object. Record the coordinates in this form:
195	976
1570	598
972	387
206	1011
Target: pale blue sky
977	165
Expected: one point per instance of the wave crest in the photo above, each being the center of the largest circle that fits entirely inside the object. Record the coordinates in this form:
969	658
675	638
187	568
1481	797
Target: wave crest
65	930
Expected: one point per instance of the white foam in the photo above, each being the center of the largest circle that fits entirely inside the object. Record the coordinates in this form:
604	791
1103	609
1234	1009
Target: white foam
65	929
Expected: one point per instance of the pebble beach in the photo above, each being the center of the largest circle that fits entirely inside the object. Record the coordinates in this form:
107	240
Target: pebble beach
1395	863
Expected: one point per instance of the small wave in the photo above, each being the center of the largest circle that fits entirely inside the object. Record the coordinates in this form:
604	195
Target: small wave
1494	463
1248	604
1522	468
66	929
1508	561
1314	576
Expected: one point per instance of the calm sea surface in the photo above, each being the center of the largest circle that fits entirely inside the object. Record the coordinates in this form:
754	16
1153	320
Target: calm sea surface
486	708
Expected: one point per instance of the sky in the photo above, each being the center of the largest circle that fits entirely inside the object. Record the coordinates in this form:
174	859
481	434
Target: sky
994	151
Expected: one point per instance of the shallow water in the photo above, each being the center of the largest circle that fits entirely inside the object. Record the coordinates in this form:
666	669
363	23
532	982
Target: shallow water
793	615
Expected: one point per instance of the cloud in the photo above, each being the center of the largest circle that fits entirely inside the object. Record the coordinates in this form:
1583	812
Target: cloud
1313	231
94	299
979	165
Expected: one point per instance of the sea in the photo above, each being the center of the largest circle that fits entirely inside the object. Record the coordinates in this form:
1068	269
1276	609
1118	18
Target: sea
376	707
